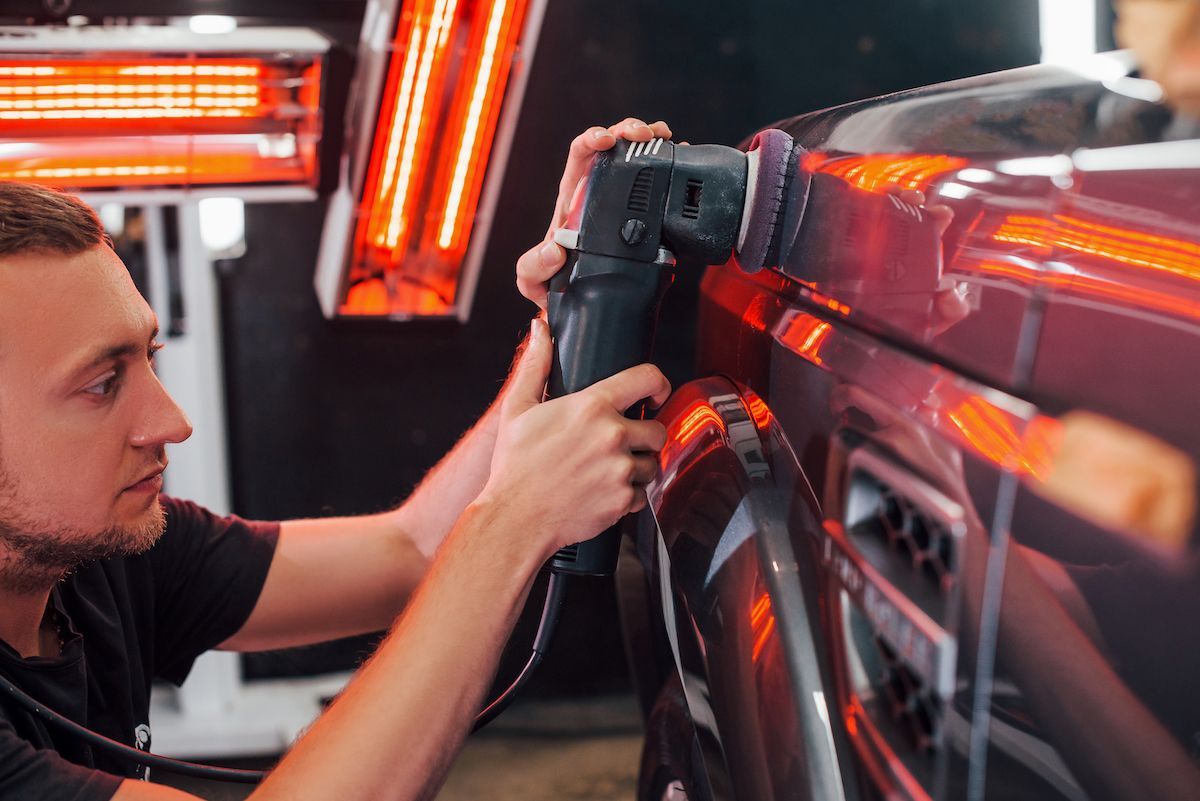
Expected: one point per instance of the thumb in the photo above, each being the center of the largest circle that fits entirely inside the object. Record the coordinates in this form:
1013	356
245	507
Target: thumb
529	379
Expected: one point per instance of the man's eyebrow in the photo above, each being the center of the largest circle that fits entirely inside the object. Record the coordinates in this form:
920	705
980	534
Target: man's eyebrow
114	353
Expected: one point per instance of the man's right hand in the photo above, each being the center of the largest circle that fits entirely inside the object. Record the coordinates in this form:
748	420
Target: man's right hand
570	467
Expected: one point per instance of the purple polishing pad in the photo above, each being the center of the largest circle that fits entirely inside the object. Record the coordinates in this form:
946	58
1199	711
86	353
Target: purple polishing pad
765	192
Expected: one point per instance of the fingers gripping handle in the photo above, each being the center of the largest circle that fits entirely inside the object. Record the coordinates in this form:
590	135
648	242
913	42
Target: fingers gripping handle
602	312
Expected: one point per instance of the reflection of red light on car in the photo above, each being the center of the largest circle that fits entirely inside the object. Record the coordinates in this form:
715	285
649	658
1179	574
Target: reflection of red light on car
1125	246
440	109
700	418
762	624
755	313
994	436
695	422
805	335
1125	294
760	412
880	172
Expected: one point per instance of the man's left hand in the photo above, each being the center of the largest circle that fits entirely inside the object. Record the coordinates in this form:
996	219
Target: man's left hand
539	264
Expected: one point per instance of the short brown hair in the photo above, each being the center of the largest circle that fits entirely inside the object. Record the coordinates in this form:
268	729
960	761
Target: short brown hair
38	218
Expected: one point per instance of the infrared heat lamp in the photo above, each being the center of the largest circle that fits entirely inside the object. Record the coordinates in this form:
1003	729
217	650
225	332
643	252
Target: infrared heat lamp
429	126
108	108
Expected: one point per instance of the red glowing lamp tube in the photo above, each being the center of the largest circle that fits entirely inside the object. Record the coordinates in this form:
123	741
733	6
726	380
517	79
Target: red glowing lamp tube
435	112
158	107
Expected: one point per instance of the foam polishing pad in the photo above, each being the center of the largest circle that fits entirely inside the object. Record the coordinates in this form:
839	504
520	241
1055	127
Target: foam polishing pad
770	164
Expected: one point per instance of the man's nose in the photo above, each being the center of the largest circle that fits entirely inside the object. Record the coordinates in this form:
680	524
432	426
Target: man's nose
164	423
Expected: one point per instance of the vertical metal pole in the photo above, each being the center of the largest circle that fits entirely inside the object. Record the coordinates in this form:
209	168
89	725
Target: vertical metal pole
191	369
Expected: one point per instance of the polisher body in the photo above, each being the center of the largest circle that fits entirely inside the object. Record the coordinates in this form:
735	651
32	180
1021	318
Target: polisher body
643	207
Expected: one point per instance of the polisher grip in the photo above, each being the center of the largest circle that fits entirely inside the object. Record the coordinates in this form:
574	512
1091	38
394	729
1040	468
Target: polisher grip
602	312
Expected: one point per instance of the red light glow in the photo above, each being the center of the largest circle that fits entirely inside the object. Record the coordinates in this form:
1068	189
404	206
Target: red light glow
441	105
762	623
120	122
993	435
81	94
830	303
880	172
696	420
1089	285
760	412
702	417
1123	245
805	335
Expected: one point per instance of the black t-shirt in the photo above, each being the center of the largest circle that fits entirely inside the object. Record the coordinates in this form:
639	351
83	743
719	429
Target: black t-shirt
128	621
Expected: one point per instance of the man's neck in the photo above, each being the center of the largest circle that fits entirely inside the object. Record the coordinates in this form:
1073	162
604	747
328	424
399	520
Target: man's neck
21	616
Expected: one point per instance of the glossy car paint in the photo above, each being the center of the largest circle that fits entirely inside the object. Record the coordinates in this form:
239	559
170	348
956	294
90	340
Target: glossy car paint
867	579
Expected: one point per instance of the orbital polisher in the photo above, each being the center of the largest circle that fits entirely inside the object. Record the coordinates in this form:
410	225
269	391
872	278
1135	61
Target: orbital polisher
643	206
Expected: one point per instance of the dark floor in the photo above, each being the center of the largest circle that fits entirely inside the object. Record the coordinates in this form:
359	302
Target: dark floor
537	751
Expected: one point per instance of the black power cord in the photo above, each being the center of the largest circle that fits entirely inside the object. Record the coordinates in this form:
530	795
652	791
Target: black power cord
124	751
555	591
541	644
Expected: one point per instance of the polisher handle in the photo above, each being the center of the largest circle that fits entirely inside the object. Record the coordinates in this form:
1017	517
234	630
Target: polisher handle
602	312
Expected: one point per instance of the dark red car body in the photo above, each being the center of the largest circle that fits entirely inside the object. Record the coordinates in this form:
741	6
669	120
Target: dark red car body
925	526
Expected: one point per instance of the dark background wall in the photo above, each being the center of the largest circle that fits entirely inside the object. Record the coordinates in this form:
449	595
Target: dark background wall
345	418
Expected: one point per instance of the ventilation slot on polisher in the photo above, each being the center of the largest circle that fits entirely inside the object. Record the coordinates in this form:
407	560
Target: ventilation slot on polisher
639	196
568	555
691	199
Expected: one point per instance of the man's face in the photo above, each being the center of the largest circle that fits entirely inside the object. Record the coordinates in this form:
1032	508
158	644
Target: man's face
83	418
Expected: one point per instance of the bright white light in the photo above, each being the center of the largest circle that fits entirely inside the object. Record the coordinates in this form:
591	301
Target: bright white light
112	216
1068	30
211	23
1048	166
277	146
975	175
223	226
1183	155
951	189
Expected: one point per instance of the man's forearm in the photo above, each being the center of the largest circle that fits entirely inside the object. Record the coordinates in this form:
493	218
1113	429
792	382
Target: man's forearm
456	481
394	731
358	572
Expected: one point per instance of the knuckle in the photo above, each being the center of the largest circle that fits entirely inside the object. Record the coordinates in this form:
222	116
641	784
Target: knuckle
613	436
659	434
645	374
595	406
653	378
620	474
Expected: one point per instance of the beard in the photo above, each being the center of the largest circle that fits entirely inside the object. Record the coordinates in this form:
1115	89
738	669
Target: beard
38	551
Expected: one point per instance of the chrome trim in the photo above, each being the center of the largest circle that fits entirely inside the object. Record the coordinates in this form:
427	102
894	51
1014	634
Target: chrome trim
777	560
765	513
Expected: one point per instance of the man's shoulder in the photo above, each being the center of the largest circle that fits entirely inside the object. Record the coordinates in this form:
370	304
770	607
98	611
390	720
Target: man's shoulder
181	510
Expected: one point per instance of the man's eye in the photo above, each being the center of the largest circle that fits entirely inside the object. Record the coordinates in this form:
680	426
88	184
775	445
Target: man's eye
103	387
154	348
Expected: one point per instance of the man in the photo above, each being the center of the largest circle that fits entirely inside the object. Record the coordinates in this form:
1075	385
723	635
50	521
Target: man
105	585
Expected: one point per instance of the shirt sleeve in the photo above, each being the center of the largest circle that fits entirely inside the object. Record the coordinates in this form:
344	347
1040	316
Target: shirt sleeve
208	573
27	772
